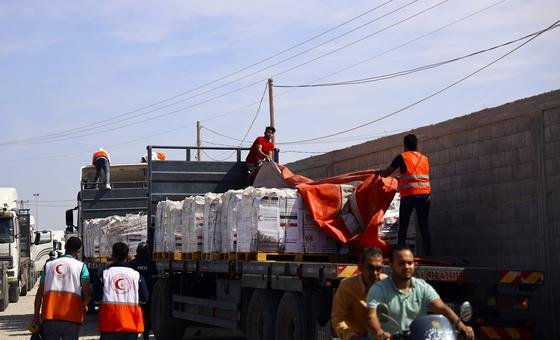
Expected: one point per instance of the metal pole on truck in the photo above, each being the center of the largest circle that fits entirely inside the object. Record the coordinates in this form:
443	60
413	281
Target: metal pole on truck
271	105
36	195
198	143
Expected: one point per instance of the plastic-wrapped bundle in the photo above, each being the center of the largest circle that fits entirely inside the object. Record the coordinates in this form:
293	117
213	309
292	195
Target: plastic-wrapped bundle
266	225
168	223
159	233
291	218
101	233
175	226
211	232
244	222
389	228
193	223
231	204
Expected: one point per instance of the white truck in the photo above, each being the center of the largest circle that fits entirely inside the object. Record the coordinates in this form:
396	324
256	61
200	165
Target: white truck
17	269
45	242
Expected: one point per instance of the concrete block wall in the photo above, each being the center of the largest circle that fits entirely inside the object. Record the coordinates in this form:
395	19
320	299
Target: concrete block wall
495	177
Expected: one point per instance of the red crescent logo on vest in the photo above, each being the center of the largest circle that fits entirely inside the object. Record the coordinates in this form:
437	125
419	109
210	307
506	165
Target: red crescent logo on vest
60	269
121	284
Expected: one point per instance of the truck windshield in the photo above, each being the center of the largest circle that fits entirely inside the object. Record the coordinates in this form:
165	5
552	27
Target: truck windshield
6	230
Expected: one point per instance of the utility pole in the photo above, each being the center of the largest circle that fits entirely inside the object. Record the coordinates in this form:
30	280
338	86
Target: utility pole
198	143
271	105
36	195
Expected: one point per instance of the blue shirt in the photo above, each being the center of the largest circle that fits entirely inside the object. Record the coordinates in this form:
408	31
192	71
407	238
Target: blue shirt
84	276
403	308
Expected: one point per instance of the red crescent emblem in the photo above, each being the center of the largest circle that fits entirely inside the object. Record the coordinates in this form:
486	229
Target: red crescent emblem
118	284
121	284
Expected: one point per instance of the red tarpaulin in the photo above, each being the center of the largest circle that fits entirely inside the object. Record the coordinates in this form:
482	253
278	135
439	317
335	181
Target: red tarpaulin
349	207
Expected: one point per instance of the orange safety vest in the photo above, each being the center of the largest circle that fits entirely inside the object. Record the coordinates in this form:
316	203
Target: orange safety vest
99	154
120	310
63	291
416	179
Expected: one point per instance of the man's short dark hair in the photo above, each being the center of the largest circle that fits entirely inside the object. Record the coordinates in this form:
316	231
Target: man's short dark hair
73	244
271	128
120	251
142	250
411	142
397	248
369	251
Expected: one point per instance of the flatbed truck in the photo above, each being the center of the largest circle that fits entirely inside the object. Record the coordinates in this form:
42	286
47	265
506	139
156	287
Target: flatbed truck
275	296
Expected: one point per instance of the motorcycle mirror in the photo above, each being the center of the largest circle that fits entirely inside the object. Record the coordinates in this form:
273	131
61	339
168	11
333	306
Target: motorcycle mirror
382	312
466	311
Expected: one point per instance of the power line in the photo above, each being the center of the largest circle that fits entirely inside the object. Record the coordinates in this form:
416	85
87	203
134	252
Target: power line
252	123
90	126
403	44
416	69
431	95
280	94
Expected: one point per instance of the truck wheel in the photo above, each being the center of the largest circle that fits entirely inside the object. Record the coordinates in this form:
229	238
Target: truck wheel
261	316
321	305
14	292
163	325
4	293
290	317
23	291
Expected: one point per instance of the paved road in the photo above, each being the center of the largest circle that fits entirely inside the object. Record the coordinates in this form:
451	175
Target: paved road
15	319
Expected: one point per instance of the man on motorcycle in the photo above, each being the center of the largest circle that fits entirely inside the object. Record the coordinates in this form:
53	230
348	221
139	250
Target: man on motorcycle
349	306
407	298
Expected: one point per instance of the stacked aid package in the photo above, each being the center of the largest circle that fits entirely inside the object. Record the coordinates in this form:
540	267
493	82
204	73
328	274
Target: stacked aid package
249	220
101	233
243	221
389	228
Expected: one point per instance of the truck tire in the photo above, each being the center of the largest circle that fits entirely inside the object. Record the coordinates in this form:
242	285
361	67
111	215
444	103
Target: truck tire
162	323
23	291
14	292
261	316
321	305
4	299
290	317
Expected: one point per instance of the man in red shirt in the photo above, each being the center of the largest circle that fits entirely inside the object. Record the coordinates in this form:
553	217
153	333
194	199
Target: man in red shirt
262	149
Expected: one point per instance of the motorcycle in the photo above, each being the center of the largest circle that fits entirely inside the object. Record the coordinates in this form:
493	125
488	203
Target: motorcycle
427	327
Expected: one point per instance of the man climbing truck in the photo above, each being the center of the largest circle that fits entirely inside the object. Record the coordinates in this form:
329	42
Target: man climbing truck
280	295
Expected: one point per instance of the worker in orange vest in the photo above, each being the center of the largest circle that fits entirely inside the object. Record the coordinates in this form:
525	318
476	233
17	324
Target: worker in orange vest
64	294
414	188
156	156
101	161
120	293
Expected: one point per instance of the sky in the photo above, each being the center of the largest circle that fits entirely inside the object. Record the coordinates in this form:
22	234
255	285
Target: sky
78	75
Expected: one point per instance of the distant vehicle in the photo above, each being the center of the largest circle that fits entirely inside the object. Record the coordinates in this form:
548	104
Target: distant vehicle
17	271
45	242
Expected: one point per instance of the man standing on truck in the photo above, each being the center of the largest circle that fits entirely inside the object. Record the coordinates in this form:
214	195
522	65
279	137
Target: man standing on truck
102	162
407	298
147	269
414	188
120	292
349	307
64	294
262	149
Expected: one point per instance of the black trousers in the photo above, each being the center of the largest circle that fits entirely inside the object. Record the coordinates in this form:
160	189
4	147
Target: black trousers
422	205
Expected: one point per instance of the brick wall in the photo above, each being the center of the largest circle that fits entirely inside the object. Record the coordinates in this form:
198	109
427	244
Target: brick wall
495	177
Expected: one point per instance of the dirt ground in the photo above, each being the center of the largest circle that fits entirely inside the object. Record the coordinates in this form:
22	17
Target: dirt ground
17	317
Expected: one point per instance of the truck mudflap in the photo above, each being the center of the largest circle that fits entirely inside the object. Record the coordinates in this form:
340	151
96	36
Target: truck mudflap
504	333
